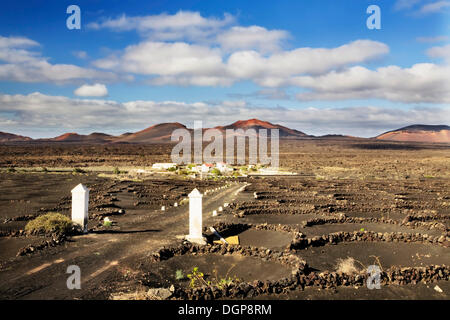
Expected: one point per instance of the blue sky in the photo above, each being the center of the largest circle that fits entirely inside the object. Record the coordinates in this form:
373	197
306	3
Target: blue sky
311	65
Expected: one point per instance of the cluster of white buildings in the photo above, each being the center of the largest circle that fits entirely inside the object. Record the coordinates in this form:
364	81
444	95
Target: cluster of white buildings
204	168
164	166
207	167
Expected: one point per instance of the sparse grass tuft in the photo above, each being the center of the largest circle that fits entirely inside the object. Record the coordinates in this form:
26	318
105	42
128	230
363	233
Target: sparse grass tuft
348	266
179	275
49	223
78	170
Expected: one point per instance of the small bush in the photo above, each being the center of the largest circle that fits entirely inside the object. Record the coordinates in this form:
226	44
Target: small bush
78	170
216	172
50	223
107	223
179	275
172	169
11	170
348	266
116	170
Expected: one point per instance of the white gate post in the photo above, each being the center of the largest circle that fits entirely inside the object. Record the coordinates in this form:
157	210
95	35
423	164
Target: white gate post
80	206
195	218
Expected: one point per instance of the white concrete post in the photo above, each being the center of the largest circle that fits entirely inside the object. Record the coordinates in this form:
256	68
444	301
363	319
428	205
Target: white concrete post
195	218
80	206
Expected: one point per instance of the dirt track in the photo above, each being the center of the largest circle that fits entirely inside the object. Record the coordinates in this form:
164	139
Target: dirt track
42	276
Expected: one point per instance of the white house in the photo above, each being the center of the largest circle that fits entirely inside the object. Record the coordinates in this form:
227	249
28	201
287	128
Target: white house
223	167
164	166
206	167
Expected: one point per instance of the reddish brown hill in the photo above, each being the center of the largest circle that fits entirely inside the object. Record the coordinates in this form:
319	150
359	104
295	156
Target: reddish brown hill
154	134
419	133
10	137
75	137
256	124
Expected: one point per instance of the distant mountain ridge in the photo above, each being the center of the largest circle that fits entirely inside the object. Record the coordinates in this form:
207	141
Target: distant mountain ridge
418	133
161	133
10	137
256	124
154	134
75	137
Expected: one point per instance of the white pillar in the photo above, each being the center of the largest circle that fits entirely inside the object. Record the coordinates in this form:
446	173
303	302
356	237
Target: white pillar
80	206
195	218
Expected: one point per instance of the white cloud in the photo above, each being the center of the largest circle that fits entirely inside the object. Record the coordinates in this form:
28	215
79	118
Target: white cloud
405	4
95	90
433	39
80	54
16	42
61	114
174	63
434	7
190	64
276	69
184	25
440	52
253	37
22	65
424	82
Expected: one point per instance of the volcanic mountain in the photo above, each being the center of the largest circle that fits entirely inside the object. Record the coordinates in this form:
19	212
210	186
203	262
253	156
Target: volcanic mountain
10	137
158	133
418	133
256	124
95	137
161	133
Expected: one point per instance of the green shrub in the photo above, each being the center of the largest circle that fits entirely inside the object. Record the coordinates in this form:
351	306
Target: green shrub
179	275
10	170
116	170
172	169
49	223
78	170
216	172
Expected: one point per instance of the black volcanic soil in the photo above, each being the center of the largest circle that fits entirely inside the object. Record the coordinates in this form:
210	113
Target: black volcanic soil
341	188
389	254
214	267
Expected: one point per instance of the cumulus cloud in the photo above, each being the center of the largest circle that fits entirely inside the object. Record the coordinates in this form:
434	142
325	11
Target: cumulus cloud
424	82
80	54
405	4
276	69
95	90
440	52
433	39
60	114
183	63
433	7
184	25
253	37
22	64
